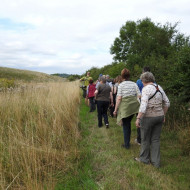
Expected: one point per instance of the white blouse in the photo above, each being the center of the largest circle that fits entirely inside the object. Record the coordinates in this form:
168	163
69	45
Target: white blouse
154	106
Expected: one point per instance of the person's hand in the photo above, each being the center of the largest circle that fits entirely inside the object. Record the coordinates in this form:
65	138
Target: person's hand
137	123
115	113
112	104
164	119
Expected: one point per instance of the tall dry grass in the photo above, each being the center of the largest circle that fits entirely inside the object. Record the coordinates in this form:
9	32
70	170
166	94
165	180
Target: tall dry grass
38	134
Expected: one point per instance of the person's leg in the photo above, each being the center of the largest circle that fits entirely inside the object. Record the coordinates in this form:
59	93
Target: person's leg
104	112
146	125
138	135
99	110
155	141
91	104
127	130
84	93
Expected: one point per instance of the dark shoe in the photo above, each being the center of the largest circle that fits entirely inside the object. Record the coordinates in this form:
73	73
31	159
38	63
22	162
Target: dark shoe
107	126
100	126
123	146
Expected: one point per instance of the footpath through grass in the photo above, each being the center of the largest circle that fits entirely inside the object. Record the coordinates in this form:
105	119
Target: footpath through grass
104	164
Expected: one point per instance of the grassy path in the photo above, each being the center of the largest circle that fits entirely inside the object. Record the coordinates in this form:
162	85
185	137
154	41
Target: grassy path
103	164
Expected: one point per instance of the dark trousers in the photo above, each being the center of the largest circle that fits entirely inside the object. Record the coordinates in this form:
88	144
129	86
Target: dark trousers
138	135
92	104
127	130
84	92
102	108
113	108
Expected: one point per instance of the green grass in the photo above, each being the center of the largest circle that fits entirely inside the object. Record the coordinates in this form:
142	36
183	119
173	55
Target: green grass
81	175
26	76
103	164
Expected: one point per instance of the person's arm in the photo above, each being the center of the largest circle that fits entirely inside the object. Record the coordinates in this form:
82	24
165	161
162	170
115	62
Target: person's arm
118	101
138	119
115	89
95	93
87	91
111	97
166	102
143	106
82	79
165	111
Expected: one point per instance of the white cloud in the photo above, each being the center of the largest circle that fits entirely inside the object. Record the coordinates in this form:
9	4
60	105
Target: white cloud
72	36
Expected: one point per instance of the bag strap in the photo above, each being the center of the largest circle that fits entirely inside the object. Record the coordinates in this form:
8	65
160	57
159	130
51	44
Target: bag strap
157	90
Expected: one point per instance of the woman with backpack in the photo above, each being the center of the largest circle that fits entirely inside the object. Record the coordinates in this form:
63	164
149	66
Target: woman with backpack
90	93
152	111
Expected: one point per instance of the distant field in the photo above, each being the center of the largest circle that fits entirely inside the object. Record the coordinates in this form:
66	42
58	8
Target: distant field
27	76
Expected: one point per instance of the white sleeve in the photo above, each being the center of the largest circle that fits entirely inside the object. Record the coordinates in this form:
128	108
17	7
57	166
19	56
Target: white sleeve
144	100
166	102
119	91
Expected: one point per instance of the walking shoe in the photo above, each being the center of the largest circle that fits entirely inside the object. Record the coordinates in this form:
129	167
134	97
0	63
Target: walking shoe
123	146
137	159
137	142
107	126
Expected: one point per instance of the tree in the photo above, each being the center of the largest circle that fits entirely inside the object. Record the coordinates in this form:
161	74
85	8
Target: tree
140	42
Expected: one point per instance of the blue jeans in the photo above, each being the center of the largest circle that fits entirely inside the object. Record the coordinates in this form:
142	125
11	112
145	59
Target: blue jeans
127	130
102	108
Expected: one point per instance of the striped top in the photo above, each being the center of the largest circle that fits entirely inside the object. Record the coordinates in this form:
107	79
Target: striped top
128	88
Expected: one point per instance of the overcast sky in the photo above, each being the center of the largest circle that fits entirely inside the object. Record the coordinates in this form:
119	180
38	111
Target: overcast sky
71	36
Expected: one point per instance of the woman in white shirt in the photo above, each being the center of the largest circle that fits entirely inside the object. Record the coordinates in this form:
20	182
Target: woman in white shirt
127	105
152	111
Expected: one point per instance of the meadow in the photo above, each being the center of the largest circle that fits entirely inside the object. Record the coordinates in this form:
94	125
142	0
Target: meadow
49	140
38	134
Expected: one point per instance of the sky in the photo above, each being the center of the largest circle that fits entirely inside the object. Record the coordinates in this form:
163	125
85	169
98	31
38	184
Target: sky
72	36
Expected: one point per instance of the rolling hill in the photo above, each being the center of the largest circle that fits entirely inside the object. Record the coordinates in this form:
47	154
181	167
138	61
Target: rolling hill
26	75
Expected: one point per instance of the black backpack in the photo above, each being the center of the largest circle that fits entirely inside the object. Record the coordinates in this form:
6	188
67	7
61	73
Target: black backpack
157	90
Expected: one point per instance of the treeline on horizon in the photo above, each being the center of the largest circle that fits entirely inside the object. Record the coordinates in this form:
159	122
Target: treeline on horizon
167	52
70	77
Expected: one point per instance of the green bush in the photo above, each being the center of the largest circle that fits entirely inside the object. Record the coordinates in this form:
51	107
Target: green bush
7	83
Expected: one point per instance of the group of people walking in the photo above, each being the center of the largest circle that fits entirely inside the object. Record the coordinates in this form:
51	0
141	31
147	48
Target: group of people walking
145	100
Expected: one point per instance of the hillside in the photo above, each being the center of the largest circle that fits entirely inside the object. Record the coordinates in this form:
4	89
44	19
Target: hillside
26	76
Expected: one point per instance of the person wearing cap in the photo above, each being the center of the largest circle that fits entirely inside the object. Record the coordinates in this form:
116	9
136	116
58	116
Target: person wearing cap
86	80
